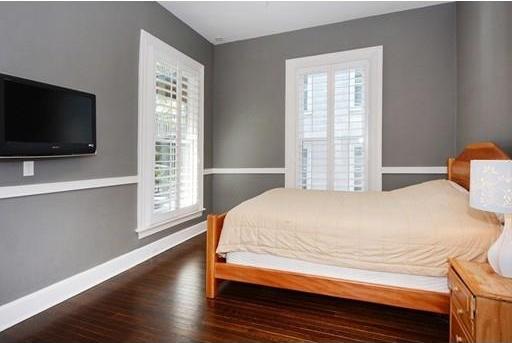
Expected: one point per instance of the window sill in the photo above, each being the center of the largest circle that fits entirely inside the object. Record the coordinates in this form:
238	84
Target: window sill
148	231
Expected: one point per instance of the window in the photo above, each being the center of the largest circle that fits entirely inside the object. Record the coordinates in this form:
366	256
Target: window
334	121
170	136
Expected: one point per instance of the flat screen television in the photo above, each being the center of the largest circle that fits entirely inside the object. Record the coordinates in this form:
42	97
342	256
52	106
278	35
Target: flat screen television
38	119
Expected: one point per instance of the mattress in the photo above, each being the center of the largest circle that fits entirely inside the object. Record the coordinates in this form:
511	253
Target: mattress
412	230
427	283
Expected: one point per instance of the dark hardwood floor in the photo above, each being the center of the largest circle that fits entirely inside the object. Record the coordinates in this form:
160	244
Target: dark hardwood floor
162	300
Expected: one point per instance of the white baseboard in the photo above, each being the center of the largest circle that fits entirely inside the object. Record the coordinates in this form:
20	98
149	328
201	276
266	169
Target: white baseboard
34	303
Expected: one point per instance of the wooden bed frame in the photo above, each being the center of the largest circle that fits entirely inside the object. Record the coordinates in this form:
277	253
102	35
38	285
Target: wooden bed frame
217	269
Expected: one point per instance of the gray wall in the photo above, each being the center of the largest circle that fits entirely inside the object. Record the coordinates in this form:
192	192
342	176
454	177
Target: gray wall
419	94
93	47
230	190
484	50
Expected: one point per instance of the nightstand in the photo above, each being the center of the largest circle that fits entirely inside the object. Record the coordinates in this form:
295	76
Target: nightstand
480	303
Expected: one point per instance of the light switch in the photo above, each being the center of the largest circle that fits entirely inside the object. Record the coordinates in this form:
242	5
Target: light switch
28	168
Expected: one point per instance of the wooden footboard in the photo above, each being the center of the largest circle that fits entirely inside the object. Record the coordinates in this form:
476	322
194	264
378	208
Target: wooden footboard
215	223
217	270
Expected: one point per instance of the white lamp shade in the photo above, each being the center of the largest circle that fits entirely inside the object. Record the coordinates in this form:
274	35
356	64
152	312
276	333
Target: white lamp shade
491	185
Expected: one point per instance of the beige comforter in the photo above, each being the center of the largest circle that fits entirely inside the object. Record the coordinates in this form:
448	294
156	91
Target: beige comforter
413	230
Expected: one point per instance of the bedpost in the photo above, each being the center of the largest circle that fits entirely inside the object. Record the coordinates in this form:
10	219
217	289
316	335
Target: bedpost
215	223
450	164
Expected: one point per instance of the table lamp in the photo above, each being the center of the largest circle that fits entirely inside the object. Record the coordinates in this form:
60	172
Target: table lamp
491	190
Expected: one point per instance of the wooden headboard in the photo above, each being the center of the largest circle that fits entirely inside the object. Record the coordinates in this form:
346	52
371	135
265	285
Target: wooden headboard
459	168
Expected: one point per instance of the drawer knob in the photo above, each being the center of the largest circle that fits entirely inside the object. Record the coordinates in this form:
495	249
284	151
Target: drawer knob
458	338
460	311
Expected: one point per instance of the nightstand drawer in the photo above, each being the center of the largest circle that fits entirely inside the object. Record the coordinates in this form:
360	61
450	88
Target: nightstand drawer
480	303
462	302
457	333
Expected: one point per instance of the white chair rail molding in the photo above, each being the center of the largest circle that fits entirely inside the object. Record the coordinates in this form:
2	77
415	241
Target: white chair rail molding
384	170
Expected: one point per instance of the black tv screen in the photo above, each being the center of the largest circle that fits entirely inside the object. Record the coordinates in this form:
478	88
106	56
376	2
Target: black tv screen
38	119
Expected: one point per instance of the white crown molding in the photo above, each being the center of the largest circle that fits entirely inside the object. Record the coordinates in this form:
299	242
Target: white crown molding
385	170
7	192
34	303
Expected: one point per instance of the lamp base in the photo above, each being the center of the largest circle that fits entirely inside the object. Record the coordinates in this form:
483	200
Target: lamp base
500	253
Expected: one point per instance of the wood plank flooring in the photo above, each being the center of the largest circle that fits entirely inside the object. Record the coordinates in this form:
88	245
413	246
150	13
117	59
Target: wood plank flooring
162	300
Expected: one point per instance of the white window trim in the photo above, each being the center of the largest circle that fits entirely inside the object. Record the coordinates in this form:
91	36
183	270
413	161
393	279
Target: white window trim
374	56
145	155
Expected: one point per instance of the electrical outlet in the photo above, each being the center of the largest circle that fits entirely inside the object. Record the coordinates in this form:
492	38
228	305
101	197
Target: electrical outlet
28	168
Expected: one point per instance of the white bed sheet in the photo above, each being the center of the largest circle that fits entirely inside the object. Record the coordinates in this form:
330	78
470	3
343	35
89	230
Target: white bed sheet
428	283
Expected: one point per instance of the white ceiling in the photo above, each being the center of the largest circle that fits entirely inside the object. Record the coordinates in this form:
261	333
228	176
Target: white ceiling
228	21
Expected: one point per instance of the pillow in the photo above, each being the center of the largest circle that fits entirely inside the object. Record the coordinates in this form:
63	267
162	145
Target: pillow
500	216
458	187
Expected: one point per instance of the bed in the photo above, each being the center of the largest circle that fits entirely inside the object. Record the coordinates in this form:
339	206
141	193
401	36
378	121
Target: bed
396	253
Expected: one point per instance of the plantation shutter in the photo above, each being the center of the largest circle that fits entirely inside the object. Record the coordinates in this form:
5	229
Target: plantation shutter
350	128
332	128
189	137
166	139
176	167
170	150
312	143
